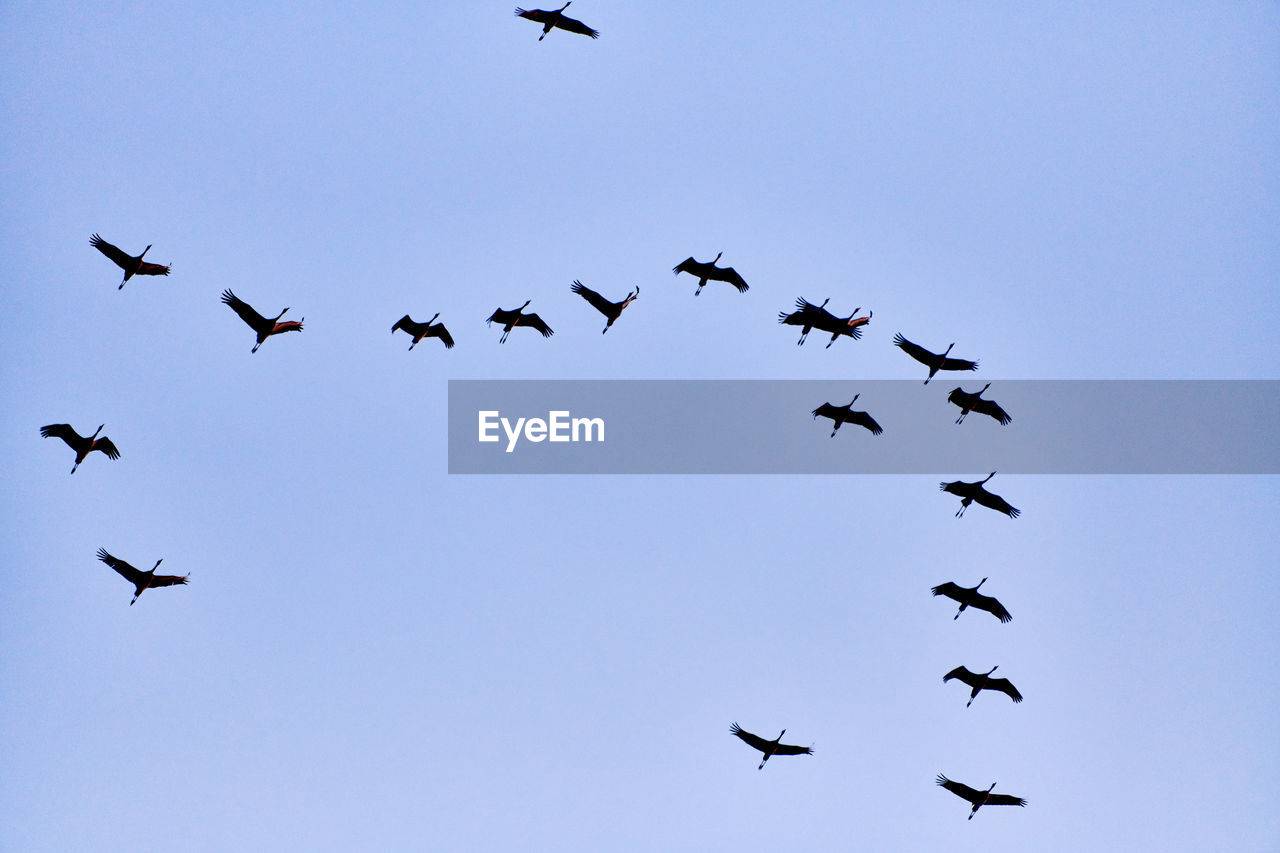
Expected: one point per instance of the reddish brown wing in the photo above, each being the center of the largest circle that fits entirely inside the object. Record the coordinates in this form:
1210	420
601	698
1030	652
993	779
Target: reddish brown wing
168	580
148	268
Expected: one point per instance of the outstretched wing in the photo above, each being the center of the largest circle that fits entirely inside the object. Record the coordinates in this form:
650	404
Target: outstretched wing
255	320
148	268
439	331
729	275
949	589
502	316
168	580
1005	686
575	26
991	409
1003	800
862	419
597	301
128	572
958	364
826	410
992	606
992	501
64	432
788	749
961	673
286	326
961	790
406	323
960	397
539	15
916	351
535	322
115	254
688	265
754	741
106	446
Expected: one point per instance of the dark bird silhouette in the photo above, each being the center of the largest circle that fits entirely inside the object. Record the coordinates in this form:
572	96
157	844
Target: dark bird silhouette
932	360
141	580
132	266
974	403
980	681
418	331
843	415
556	18
80	444
979	798
971	492
264	327
710	272
968	596
511	319
611	310
770	748
809	316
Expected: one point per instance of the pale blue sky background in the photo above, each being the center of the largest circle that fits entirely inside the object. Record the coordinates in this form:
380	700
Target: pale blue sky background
373	654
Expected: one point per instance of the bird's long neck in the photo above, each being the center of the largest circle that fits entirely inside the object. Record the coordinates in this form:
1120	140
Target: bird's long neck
980	583
96	431
824	302
993	669
433	319
718	258
278	316
944	355
525	305
144	251
778	739
984	388
988	477
854	400
562	8
156	566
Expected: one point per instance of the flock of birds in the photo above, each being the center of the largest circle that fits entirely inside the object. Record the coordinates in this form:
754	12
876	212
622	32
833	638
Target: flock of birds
806	315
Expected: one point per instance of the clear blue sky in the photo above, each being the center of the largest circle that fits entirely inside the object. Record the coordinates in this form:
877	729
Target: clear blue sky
373	654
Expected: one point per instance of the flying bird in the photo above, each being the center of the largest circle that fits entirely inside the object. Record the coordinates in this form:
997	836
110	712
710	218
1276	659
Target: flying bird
511	319
979	798
141	580
971	492
974	403
843	415
809	316
556	18
80	444
418	331
710	272
770	748
131	265
611	310
968	596
931	360
264	327
980	681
